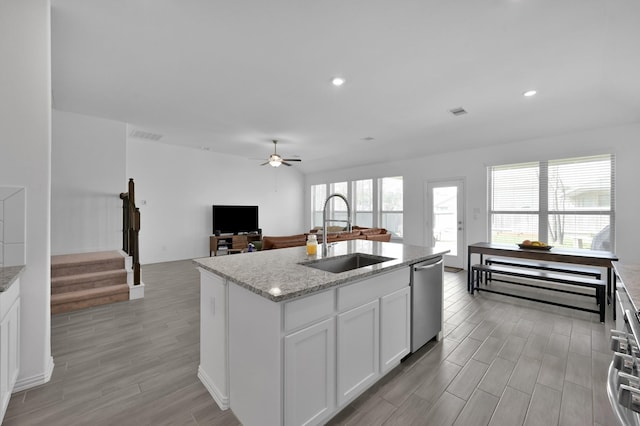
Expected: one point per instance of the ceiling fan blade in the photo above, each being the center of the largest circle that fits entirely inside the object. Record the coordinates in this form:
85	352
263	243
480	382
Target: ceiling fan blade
276	158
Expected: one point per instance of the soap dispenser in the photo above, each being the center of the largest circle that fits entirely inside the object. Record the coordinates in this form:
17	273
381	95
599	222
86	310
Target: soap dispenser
312	245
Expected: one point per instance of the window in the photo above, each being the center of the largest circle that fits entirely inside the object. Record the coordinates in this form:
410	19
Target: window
374	203
318	195
338	208
391	204
566	203
363	203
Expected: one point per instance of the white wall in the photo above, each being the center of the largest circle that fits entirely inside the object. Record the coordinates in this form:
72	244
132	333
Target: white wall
179	185
92	159
472	166
25	158
88	173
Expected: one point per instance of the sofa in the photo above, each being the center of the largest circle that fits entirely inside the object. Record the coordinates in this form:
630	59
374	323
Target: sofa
335	234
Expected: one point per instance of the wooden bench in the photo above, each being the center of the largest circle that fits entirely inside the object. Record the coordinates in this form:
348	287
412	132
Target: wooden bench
545	266
486	272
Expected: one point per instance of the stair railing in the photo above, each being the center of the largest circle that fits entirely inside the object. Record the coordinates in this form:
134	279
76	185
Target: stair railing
130	229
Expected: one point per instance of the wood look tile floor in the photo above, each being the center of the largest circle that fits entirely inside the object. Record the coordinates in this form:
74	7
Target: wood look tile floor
502	361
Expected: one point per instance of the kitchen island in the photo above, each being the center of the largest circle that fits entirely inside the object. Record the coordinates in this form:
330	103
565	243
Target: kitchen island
282	342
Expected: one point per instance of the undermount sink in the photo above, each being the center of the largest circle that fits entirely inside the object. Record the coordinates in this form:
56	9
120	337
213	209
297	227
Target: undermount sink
346	263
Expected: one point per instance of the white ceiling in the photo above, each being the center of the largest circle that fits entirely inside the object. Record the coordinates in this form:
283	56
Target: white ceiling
232	75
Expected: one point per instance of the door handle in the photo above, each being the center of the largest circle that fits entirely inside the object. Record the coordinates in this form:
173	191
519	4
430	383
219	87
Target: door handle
430	266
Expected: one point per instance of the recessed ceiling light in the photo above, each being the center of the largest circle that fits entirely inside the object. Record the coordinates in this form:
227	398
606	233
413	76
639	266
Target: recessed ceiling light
530	93
338	81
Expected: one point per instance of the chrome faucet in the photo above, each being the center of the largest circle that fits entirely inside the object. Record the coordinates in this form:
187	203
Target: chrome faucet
325	220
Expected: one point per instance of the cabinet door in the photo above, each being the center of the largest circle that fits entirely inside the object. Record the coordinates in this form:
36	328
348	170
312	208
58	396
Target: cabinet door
9	354
358	350
13	328
239	242
395	328
309	373
214	323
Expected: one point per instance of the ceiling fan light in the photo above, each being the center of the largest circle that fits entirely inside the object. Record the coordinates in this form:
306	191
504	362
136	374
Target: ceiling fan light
338	81
275	161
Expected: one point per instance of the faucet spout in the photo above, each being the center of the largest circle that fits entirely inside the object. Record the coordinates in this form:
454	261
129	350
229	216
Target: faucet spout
325	220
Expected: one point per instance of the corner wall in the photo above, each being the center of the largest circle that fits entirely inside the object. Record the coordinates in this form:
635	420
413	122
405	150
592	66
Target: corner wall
472	166
88	164
25	159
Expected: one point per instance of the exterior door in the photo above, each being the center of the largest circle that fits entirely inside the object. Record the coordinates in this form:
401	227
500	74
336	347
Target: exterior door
445	219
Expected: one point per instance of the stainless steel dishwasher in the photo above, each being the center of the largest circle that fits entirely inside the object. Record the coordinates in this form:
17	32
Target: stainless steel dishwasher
426	301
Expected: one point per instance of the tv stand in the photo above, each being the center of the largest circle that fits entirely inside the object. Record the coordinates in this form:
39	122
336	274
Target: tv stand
235	243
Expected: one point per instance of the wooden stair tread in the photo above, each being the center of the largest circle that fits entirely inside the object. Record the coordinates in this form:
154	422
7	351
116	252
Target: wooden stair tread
88	276
88	293
83	280
74	264
64	259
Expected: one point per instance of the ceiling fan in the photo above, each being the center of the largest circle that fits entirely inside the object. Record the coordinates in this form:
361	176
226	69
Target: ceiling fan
275	160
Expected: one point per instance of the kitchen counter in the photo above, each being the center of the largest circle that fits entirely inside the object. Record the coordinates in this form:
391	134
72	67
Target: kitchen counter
630	276
278	276
265	319
8	275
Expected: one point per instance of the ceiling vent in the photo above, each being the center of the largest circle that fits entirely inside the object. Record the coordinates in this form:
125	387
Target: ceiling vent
145	135
458	111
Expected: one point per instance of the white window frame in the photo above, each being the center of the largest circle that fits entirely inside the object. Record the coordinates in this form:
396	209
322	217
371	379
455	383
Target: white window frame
544	212
376	202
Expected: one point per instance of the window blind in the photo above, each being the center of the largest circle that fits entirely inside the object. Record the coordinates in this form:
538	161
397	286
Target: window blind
567	202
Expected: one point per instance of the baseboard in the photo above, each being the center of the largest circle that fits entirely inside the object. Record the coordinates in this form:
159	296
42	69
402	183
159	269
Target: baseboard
128	260
221	400
136	291
37	380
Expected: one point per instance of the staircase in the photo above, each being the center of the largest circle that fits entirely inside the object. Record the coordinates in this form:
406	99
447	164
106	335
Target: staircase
79	281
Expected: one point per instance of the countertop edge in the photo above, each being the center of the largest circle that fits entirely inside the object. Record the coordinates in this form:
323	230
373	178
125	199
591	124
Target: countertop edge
629	274
339	280
9	275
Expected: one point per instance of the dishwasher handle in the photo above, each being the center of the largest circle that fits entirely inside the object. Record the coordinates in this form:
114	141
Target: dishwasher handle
429	266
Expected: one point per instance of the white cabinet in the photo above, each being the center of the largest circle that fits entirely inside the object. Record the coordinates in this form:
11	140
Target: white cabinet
358	350
309	373
214	362
9	343
300	361
395	328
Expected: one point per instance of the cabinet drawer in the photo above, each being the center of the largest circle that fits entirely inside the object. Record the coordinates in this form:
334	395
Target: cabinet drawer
301	312
377	286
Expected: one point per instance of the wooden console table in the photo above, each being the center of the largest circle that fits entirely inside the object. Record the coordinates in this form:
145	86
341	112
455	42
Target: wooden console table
235	243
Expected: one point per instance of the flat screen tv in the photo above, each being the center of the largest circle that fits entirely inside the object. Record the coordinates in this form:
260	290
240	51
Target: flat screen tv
235	219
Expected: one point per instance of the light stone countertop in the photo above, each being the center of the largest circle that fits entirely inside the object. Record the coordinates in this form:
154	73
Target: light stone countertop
278	276
630	276
8	275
